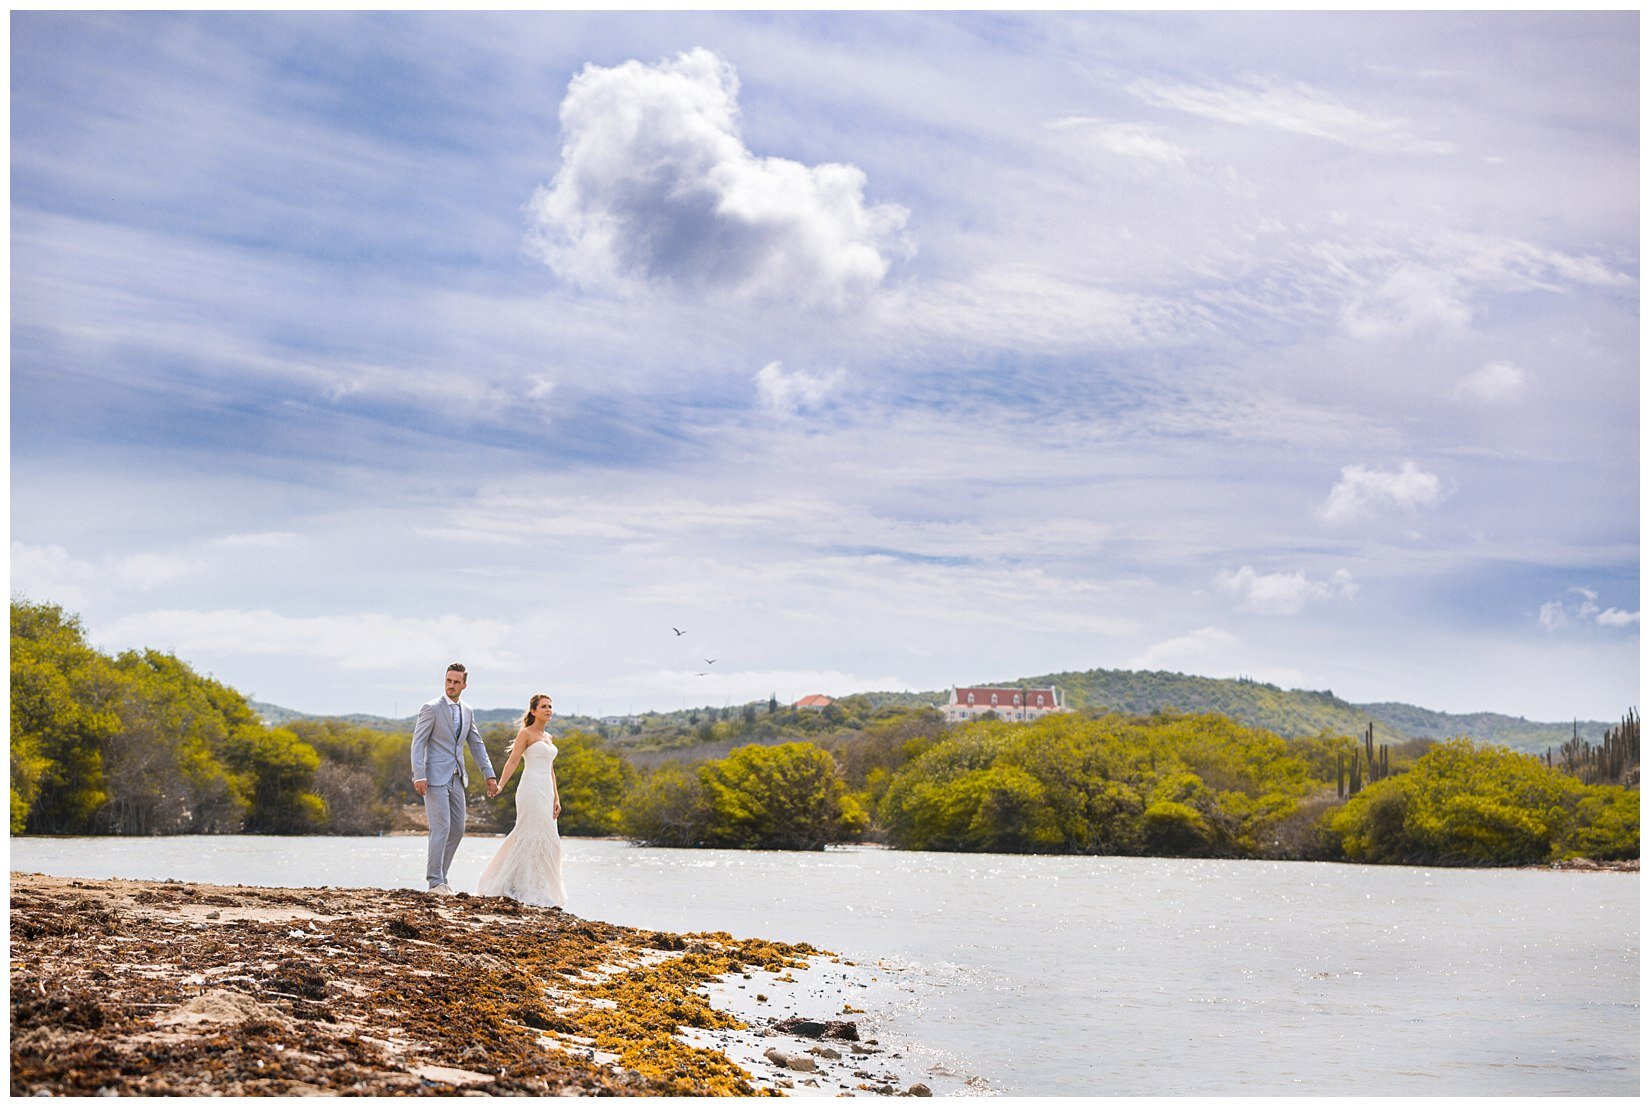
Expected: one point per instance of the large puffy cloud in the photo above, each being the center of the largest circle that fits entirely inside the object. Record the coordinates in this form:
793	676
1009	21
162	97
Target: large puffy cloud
1362	490
657	187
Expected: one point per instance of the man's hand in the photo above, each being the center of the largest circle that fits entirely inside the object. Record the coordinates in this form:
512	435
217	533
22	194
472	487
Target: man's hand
492	787
423	786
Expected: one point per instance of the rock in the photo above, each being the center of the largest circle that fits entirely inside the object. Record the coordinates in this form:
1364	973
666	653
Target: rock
787	1061
836	1029
918	1089
826	1052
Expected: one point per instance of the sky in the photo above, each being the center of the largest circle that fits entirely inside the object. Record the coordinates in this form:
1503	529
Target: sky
869	351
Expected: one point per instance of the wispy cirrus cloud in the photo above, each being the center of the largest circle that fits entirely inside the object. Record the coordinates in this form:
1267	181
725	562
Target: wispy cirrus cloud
1130	140
1294	106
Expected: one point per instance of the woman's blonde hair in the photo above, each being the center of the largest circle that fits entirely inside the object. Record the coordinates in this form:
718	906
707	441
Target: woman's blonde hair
532	706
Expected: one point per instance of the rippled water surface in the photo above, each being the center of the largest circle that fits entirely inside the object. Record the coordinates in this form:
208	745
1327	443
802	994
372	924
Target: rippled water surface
1106	976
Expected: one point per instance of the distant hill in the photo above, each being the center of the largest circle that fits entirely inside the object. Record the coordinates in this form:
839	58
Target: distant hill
276	715
1298	713
1293	714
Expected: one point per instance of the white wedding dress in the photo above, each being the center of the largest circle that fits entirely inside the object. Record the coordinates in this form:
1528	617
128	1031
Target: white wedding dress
527	867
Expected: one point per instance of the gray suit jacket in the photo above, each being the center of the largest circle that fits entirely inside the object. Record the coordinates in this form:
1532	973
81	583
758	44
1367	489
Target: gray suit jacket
438	753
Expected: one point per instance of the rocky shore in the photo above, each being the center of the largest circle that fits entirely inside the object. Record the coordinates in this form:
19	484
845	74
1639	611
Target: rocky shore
144	988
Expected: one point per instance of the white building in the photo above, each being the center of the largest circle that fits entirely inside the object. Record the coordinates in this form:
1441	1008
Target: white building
1015	704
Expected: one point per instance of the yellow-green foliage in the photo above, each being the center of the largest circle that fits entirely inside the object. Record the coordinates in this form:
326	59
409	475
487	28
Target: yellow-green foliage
593	782
788	796
1068	784
777	797
141	743
1466	803
666	808
62	711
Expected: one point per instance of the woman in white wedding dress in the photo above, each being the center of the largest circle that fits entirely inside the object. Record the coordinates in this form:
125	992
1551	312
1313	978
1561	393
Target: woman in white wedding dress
527	866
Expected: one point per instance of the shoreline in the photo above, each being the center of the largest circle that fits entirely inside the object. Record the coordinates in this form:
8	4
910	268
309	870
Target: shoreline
178	988
1574	864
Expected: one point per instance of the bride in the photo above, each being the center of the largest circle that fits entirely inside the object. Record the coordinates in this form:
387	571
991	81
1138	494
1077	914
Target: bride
527	866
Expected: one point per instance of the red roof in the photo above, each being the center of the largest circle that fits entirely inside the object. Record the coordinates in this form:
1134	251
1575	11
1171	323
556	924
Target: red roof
1006	697
815	700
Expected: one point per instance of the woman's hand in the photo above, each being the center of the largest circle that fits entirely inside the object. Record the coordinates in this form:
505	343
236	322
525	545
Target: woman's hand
555	810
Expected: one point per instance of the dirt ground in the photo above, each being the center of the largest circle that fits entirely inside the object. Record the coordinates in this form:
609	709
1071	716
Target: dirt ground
145	988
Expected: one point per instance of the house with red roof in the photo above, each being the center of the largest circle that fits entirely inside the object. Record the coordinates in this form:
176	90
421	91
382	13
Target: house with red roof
1018	705
815	702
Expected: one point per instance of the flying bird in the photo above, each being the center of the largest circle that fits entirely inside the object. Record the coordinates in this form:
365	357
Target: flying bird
679	633
710	661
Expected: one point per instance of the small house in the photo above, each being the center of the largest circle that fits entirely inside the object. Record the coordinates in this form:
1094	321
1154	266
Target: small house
1015	704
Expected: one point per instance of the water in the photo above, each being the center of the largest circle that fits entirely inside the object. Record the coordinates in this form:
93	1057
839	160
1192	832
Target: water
1105	976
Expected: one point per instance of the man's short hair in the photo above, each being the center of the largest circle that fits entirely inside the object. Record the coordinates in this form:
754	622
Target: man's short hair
457	667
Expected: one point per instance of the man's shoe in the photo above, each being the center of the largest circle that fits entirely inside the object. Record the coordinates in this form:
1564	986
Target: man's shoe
443	890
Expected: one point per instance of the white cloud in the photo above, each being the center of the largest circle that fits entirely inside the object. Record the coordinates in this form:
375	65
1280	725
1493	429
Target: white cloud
51	573
352	642
1130	140
705	685
785	393
258	540
1552	616
656	186
1494	383
1283	593
1589	602
1412	299
1189	651
1363	490
1558	614
1292	106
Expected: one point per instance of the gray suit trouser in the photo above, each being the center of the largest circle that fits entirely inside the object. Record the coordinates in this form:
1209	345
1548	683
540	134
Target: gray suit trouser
444	807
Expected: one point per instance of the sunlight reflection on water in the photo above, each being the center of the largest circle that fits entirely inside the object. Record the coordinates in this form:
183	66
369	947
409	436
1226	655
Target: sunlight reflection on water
1107	976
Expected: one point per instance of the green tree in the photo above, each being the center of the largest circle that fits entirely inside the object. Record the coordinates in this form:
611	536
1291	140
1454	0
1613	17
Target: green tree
1472	804
667	808
1606	827
363	777
593	782
63	708
778	797
165	770
282	771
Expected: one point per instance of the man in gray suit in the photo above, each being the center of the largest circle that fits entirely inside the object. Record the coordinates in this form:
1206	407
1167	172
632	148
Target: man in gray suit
444	726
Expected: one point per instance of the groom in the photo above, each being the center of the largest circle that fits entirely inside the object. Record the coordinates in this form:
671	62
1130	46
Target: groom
443	726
